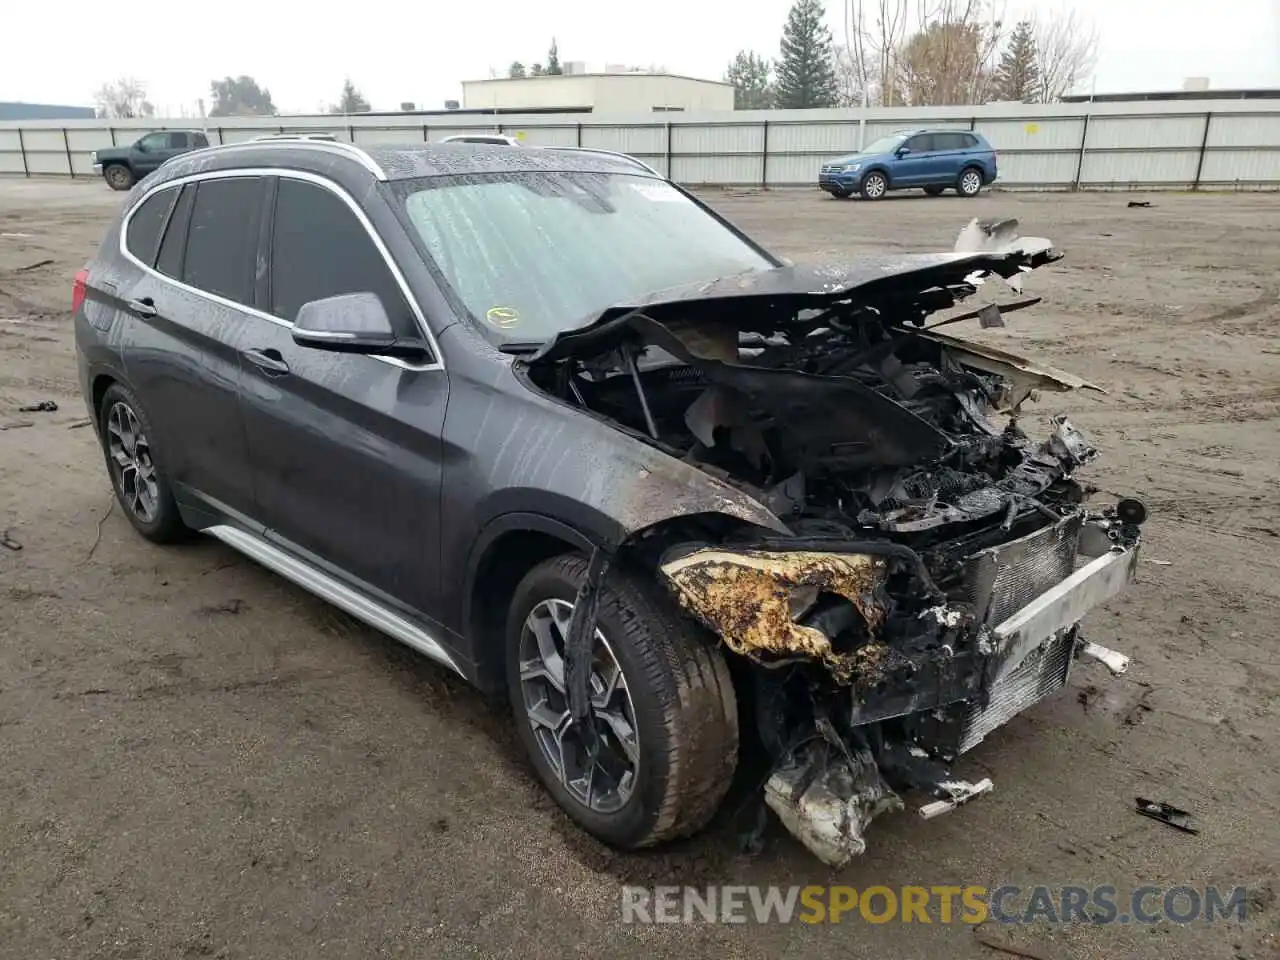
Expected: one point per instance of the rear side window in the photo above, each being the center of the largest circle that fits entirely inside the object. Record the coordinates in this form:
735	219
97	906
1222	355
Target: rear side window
222	239
199	140
175	234
949	141
320	249
142	237
970	141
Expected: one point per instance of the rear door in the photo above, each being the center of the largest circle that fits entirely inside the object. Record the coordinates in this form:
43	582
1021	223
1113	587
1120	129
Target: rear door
346	449
949	152
184	313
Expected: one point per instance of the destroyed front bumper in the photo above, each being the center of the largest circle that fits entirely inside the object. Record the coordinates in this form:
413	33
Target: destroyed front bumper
891	721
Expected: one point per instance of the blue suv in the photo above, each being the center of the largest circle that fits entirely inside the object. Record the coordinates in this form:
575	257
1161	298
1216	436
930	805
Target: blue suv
932	159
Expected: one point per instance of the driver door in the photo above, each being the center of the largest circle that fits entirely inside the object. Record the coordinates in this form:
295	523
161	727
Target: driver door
154	149
344	449
912	169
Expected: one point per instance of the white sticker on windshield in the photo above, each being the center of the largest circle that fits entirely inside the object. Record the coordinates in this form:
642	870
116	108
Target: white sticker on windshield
659	192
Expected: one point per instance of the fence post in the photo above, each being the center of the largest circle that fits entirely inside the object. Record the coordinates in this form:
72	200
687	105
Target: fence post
22	146
221	138
669	176
112	131
66	145
764	155
351	132
578	142
426	136
1084	136
973	123
1204	142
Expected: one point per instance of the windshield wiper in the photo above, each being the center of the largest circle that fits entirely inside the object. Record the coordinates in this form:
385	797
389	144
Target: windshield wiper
521	347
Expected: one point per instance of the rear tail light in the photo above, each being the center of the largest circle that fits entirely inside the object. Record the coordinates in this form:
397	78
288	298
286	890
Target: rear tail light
78	289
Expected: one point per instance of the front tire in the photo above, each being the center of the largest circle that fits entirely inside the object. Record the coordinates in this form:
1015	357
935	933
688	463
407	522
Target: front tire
874	186
970	182
662	699
140	486
118	176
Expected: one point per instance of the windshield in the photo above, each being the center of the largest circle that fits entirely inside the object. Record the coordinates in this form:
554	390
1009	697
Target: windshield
884	144
531	254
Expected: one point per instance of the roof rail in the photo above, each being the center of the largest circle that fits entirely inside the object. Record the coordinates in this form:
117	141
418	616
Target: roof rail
612	153
310	143
299	136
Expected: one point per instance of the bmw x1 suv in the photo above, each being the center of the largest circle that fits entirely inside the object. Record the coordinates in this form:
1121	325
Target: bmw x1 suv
551	421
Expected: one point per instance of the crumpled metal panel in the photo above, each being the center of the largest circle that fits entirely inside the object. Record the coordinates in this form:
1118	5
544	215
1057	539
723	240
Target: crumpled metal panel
1001	580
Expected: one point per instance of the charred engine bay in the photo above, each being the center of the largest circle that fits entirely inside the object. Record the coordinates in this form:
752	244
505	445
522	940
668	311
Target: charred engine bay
855	426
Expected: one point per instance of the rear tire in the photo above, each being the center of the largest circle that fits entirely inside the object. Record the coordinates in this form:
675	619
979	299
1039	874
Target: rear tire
934	191
140	486
118	176
874	186
675	732
969	183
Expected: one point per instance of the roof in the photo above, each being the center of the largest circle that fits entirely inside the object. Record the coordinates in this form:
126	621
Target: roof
574	76
1245	94
393	161
12	110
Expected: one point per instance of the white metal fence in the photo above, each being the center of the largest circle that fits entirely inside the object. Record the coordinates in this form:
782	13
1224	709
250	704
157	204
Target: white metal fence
1142	145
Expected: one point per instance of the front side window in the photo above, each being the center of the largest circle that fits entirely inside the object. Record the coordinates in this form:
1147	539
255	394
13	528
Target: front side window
921	143
531	254
884	144
320	249
223	237
154	141
142	236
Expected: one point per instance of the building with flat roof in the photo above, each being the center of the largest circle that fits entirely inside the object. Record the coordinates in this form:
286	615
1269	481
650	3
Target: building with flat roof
12	110
630	92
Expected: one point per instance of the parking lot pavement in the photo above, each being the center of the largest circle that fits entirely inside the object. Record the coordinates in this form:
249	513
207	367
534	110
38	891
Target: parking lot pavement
201	760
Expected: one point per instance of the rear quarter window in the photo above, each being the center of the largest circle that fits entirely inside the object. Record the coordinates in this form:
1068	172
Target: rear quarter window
142	236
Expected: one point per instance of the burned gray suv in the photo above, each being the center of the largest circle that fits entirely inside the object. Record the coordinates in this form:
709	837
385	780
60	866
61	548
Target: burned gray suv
551	421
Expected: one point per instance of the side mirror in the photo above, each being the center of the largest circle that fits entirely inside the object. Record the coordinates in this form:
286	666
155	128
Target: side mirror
141	147
353	323
901	152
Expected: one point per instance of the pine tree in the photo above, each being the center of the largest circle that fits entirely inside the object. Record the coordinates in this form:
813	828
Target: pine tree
806	68
749	74
553	60
1018	76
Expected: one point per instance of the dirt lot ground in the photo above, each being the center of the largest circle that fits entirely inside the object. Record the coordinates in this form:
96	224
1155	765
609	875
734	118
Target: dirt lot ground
198	759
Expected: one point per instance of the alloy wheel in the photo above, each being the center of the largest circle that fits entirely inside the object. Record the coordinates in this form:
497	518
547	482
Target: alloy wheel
970	182
130	454
875	186
605	784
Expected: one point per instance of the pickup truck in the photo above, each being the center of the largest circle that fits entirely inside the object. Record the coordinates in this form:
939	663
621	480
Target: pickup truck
122	167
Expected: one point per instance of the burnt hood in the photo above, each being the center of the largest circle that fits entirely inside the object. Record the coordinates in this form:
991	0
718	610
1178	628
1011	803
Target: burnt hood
757	300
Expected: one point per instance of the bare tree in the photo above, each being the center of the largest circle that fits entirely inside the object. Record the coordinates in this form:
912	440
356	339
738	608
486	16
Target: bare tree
951	58
874	31
1066	51
124	98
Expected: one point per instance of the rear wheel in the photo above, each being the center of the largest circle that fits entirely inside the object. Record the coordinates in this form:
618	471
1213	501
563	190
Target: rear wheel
970	182
662	701
934	191
118	176
140	486
874	186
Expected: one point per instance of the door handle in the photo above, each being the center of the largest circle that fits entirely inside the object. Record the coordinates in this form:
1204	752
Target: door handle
268	360
143	307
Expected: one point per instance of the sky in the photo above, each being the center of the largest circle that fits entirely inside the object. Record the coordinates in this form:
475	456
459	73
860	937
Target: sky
396	51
